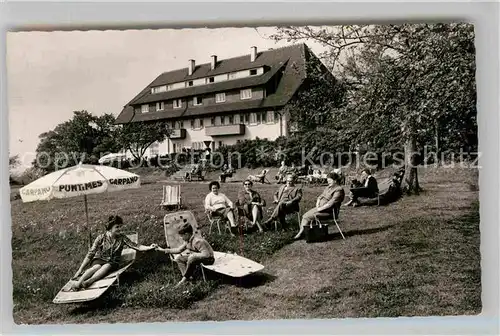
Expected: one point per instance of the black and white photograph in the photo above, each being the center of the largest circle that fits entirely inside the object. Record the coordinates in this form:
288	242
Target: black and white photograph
244	173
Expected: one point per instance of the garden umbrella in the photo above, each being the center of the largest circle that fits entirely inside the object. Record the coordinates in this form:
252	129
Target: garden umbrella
111	157
80	180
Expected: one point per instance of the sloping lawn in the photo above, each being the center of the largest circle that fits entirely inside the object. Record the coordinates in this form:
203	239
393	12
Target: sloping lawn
419	256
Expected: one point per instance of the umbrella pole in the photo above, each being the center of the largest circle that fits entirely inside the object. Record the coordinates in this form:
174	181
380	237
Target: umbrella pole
87	219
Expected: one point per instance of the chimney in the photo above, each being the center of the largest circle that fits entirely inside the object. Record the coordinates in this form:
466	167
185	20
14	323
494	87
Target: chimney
191	67
253	54
214	62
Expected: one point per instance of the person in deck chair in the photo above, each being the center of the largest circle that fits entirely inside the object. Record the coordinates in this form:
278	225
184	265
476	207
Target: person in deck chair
331	198
287	200
367	188
198	251
105	254
280	176
250	204
258	178
217	204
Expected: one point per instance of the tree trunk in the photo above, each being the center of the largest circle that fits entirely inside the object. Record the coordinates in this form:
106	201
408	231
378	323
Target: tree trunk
410	183
436	130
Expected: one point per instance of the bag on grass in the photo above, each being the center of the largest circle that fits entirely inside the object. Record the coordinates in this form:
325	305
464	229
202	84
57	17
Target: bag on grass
316	232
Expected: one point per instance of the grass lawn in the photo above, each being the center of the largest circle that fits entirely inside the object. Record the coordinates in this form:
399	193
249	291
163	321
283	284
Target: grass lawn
419	256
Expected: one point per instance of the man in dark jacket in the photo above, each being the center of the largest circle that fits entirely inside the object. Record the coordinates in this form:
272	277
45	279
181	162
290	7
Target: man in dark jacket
287	200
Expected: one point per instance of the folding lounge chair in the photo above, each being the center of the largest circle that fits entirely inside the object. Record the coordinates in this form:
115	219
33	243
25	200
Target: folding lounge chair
171	197
217	220
99	287
225	263
262	178
171	223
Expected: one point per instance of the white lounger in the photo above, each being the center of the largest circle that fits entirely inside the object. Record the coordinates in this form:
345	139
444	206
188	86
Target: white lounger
225	263
99	287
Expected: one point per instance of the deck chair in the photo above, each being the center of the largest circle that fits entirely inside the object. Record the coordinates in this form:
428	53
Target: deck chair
291	214
217	220
335	217
171	223
262	177
99	287
383	186
228	264
171	196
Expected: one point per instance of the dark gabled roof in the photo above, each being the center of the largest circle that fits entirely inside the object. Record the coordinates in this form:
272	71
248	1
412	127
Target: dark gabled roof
268	57
287	63
211	88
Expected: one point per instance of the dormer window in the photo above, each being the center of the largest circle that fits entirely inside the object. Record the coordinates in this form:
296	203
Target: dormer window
160	106
159	89
220	97
246	94
145	108
177	103
253	72
197	101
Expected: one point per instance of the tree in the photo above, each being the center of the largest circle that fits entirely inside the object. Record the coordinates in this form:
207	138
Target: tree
136	137
14	161
319	93
402	81
13	164
81	138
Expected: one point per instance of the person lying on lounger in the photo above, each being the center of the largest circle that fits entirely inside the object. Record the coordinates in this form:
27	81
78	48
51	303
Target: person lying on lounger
198	251
105	254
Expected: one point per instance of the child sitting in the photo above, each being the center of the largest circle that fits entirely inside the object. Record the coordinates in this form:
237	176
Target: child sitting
198	251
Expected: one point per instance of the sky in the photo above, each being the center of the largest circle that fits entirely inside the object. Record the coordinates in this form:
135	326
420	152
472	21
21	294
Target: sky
52	74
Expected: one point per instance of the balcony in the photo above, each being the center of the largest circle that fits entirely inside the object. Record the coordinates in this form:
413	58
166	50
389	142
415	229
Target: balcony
178	134
237	129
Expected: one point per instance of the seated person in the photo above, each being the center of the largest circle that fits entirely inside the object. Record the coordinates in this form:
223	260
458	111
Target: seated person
218	205
226	172
314	175
281	172
250	203
394	192
331	198
198	251
368	187
302	170
258	178
194	171
105	254
292	170
287	199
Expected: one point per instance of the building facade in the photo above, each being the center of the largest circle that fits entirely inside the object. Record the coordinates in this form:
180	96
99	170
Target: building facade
224	101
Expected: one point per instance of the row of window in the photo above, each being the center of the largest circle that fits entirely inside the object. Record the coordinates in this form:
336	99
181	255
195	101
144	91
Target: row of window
266	117
198	101
208	80
154	149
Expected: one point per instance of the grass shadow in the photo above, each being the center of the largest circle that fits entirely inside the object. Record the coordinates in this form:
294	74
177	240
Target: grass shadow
250	281
104	304
337	236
